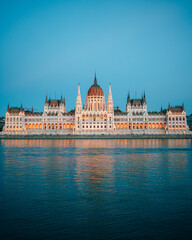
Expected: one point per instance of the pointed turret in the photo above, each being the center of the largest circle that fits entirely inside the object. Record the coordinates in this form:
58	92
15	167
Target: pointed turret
128	98
64	100
183	108
110	100
128	105
32	109
78	107
21	108
144	99
61	100
46	98
8	107
161	109
169	107
95	80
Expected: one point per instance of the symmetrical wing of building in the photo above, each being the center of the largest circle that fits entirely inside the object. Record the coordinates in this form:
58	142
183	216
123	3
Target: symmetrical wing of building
95	116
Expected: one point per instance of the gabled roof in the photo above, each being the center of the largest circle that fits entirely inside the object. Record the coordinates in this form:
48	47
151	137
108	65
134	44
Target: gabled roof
71	113
176	109
14	109
31	113
118	112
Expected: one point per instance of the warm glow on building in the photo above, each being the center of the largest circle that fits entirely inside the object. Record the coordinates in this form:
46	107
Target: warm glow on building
95	117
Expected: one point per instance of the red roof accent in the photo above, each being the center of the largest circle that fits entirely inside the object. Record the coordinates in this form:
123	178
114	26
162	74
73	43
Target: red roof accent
136	102
95	90
54	103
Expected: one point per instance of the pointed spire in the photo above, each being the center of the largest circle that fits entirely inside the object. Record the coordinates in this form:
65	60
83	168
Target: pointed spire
21	108
78	107
169	107
46	98
161	109
128	97
183	108
78	91
64	100
61	98
110	88
8	107
144	99
95	79
110	100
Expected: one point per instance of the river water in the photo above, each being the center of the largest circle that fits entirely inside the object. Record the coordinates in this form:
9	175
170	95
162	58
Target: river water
96	189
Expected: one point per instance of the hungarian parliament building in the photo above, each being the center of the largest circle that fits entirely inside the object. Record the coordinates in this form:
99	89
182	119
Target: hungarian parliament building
95	117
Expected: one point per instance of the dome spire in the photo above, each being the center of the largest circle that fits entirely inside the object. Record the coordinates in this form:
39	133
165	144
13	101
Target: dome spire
95	79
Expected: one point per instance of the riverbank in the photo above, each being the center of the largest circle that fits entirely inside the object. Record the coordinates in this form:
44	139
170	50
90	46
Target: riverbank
96	136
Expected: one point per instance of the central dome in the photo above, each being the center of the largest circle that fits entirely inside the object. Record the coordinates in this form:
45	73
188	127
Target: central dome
95	89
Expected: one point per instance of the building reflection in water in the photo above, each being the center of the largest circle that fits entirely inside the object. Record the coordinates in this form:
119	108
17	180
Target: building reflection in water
99	143
94	171
97	167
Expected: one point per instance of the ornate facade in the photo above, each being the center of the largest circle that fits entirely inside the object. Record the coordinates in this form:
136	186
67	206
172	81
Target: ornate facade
95	117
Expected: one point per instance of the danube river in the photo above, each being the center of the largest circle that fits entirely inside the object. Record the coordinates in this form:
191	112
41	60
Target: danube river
96	189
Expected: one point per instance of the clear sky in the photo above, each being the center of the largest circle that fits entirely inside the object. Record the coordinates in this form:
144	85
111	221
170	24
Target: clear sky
51	46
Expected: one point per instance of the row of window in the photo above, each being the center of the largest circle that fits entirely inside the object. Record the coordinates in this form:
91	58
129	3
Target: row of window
176	118
95	126
176	126
15	124
157	119
14	119
94	115
47	120
33	120
95	122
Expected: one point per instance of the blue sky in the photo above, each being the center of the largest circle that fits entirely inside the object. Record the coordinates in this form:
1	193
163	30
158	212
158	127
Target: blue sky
51	46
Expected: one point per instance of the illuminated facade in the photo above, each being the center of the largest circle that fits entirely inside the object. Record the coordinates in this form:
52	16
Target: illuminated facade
95	117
